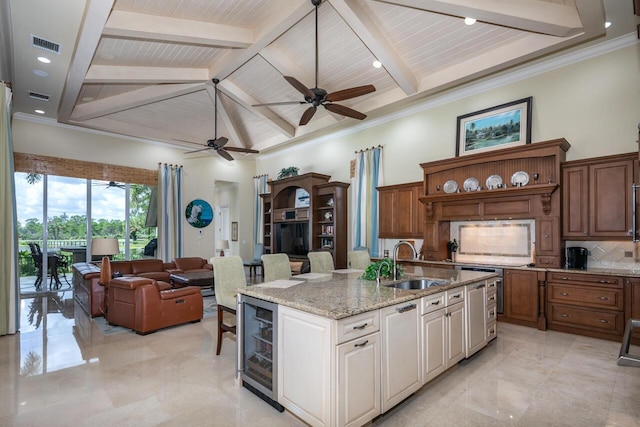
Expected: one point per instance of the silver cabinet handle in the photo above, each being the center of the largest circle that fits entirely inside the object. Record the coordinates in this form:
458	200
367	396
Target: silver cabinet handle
361	327
565	315
603	321
361	344
406	308
603	298
603	281
564	294
565	278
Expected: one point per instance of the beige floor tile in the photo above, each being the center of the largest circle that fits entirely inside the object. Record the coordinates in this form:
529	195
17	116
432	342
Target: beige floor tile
61	370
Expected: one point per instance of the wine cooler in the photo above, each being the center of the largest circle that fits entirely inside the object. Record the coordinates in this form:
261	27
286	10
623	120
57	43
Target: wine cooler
258	348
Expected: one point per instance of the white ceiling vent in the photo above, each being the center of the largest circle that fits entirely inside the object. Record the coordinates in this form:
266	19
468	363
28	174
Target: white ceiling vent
39	96
44	44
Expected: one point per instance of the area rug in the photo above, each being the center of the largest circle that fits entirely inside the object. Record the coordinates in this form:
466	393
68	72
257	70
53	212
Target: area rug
210	308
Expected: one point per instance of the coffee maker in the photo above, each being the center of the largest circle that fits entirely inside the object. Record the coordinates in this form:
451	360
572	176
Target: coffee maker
576	258
452	248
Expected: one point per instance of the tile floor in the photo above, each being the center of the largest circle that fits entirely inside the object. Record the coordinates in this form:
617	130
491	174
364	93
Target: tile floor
60	370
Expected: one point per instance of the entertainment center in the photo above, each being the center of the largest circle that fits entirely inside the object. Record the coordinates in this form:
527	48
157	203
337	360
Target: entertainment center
306	213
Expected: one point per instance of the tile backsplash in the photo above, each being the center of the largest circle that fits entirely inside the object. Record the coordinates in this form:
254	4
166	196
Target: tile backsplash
605	254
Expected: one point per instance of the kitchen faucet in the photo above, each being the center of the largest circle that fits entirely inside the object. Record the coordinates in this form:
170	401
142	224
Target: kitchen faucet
395	256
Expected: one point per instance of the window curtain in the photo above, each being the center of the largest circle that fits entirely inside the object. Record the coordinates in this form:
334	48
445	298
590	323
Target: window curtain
260	187
367	176
9	300
170	212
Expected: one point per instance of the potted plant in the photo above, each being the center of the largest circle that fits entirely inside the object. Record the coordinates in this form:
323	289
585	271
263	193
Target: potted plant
287	172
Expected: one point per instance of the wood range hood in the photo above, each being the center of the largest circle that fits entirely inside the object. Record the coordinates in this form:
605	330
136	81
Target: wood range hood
537	200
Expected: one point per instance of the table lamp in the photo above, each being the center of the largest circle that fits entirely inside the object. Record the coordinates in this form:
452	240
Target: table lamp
104	247
221	245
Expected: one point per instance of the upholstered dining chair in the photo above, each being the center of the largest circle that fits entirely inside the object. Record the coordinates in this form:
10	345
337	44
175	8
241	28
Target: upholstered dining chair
321	262
256	262
276	267
358	259
228	275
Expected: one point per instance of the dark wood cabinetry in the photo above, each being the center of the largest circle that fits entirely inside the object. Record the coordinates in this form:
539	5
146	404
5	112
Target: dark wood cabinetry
596	197
521	297
323	215
330	220
586	304
266	227
538	200
632	304
401	213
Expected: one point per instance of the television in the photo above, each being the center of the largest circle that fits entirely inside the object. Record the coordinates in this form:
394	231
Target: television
292	238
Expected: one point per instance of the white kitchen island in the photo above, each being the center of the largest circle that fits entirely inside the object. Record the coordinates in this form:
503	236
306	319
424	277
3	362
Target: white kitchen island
349	350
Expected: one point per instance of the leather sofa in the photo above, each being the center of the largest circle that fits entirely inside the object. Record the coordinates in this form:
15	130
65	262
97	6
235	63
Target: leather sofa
90	295
140	304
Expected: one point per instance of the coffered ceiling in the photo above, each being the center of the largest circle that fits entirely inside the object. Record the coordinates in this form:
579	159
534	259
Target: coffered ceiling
144	67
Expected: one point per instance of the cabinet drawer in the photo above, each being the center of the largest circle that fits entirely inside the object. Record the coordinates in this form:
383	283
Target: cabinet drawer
492	297
432	303
587	318
357	326
588	296
492	331
454	296
578	278
492	285
492	313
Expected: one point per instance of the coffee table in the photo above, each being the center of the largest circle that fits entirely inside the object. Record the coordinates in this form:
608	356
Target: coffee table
204	279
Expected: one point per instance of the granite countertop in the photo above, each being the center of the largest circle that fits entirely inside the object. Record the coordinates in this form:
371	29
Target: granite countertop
338	295
601	271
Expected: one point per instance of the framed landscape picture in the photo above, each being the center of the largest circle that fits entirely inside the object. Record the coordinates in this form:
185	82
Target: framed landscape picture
502	126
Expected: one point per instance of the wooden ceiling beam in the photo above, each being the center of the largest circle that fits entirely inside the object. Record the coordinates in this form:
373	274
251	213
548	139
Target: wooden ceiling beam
246	101
133	99
160	28
367	30
536	16
142	75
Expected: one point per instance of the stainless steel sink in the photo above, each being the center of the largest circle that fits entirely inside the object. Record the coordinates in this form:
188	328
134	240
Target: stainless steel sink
416	284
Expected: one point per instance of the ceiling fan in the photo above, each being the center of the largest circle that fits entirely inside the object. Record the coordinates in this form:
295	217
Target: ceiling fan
218	144
317	96
111	184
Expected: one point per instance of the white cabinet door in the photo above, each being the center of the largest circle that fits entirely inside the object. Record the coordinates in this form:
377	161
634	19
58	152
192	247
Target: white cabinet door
434	345
358	397
476	301
456	336
400	352
305	354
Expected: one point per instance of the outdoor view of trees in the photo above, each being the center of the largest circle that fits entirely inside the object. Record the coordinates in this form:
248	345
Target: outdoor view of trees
70	229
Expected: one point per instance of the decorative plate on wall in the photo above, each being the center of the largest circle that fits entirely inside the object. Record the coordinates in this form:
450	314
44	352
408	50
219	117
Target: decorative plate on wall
450	186
199	213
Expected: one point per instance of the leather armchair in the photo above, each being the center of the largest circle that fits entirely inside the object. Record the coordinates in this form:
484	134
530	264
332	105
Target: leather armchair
141	304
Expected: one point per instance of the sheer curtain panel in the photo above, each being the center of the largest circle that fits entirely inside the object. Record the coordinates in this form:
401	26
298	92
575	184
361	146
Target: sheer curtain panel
260	187
170	212
367	176
9	243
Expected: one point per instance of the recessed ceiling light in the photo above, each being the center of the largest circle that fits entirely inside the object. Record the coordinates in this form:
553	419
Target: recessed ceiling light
44	60
377	64
607	24
469	21
40	73
39	111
